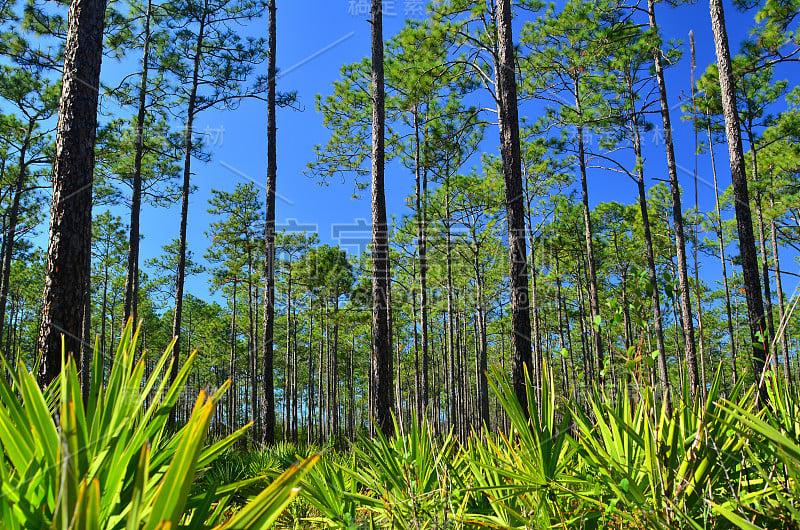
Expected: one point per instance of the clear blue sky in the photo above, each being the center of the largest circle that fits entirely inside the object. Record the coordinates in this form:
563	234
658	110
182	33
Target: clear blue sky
306	32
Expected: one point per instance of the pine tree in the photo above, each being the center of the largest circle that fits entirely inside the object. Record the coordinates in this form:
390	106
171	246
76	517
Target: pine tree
66	293
206	49
269	260
35	100
744	220
515	199
236	247
383	390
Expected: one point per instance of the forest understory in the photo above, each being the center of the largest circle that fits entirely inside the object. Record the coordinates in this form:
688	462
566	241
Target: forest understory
574	304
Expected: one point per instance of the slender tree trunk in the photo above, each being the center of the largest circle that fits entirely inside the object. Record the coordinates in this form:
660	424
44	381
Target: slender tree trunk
483	349
334	370
514	201
131	302
185	190
677	214
382	372
321	395
536	341
289	372
269	260
744	220
594	299
451	348
422	219
663	375
295	391
11	229
697	285
721	243
252	349
562	341
232	368
103	309
762	243
398	391
418	410
310	370
68	271
781	302
584	329
352	389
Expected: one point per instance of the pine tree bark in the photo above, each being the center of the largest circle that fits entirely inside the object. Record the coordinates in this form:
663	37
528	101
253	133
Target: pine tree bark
422	249
514	201
269	260
677	215
663	375
185	191
382	372
131	302
744	219
68	271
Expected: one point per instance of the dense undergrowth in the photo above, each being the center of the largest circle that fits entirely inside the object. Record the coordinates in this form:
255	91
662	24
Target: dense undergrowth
621	462
114	463
615	460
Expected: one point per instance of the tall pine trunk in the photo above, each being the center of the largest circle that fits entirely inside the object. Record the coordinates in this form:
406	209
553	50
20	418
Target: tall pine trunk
382	372
185	190
422	248
289	373
663	375
232	367
252	349
721	245
781	302
451	347
68	272
677	214
594	298
482	347
130	304
514	200
269	260
697	285
744	219
536	343
762	244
